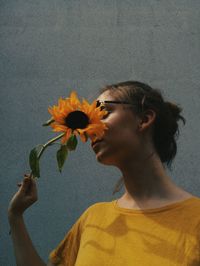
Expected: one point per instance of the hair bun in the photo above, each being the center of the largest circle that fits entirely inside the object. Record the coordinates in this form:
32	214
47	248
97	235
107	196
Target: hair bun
175	110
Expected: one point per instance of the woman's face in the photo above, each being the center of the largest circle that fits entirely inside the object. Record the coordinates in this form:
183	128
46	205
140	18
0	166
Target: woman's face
121	141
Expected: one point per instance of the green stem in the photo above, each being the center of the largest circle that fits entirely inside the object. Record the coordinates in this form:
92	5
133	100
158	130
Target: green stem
42	150
45	146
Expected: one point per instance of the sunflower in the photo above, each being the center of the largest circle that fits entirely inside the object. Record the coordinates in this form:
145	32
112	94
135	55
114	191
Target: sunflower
73	117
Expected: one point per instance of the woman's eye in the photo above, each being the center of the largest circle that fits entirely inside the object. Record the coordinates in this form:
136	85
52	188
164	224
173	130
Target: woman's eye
102	107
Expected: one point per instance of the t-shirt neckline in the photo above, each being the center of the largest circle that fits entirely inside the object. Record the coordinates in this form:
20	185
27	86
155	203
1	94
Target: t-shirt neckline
152	210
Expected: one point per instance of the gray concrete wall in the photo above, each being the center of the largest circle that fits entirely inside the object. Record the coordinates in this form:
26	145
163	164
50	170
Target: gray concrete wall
48	48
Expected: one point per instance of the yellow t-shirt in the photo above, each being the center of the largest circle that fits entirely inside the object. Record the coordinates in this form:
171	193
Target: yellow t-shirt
109	235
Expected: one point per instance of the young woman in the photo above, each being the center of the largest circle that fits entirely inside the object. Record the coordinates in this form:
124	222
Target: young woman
155	222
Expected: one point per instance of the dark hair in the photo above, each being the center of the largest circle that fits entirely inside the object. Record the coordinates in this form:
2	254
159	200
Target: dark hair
144	97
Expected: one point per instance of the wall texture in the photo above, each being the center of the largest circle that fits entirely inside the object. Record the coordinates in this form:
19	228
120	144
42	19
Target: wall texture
48	48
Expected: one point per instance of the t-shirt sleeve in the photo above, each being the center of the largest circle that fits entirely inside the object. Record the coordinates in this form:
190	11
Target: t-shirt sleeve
65	253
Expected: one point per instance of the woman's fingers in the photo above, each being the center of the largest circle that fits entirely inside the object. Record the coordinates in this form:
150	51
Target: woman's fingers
29	188
21	183
27	175
25	196
26	185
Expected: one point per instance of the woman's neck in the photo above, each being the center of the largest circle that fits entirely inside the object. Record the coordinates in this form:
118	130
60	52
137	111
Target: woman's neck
147	180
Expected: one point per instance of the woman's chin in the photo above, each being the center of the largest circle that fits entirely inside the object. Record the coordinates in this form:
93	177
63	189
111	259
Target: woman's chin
101	158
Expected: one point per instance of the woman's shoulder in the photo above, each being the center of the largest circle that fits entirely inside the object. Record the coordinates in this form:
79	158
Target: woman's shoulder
99	207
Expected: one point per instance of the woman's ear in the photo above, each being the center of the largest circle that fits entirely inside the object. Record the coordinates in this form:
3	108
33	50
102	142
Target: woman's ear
146	120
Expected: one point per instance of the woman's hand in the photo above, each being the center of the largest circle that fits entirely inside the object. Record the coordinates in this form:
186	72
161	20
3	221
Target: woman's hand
25	196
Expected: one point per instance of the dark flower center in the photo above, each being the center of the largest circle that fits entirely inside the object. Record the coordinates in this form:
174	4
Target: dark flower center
77	119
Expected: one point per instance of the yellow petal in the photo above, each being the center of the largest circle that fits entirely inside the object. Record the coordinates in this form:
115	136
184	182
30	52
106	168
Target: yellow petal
66	137
83	138
58	128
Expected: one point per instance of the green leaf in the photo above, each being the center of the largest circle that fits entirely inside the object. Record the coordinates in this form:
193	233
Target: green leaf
34	162
72	142
61	156
47	123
